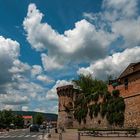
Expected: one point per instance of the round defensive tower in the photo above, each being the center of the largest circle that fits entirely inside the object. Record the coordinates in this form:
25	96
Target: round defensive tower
65	108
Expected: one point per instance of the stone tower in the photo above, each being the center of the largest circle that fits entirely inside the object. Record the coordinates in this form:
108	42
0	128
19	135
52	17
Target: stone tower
65	112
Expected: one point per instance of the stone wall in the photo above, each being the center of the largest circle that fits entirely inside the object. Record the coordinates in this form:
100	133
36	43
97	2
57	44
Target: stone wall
65	119
97	122
132	102
132	111
133	88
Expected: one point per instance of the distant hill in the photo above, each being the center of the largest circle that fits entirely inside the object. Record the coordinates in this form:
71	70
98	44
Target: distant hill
48	116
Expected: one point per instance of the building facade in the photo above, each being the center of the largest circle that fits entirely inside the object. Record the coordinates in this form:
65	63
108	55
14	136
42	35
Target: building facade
27	120
129	87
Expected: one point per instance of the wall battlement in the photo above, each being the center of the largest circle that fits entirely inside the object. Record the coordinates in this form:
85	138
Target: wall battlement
67	87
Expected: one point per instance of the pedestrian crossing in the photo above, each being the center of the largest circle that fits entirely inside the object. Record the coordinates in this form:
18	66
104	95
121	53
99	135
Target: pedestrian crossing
20	136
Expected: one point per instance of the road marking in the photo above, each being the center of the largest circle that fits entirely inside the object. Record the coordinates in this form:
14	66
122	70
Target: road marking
27	136
20	136
7	136
34	136
13	136
40	136
4	136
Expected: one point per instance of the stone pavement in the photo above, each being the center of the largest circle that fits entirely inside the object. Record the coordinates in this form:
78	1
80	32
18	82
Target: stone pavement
71	134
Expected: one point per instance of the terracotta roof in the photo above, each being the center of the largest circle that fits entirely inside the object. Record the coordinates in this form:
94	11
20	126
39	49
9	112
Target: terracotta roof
27	117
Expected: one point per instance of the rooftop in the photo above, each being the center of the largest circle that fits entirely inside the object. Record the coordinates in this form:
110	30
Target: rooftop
132	68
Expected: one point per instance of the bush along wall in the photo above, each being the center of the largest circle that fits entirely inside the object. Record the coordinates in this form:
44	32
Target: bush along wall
112	108
93	98
115	109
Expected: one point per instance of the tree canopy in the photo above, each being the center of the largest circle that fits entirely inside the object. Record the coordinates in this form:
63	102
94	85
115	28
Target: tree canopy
7	117
38	118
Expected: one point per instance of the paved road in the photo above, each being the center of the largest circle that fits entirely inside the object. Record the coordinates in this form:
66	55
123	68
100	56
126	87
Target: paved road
22	135
70	134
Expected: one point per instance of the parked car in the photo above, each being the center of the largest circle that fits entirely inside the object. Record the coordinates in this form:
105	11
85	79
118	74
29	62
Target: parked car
42	126
49	126
34	128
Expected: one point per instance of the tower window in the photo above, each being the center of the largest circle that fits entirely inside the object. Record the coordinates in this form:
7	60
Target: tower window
126	83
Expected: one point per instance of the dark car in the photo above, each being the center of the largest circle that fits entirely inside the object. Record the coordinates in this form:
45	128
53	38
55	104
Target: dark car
34	128
42	126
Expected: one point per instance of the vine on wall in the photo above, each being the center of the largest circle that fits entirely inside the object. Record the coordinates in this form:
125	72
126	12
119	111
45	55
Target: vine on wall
88	102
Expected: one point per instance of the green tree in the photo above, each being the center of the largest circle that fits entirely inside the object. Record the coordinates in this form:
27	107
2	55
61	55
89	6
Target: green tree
87	102
38	119
116	109
90	90
18	121
84	84
6	118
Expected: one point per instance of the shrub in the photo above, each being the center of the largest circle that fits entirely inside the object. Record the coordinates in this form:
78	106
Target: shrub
103	109
116	93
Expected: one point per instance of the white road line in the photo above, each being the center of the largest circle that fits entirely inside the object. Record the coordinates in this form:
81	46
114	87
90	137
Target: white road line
7	136
34	136
27	136
39	136
20	136
4	136
13	136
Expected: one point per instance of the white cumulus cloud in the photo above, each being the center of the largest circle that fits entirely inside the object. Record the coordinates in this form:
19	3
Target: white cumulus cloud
112	65
45	79
25	108
52	93
14	99
9	51
84	41
36	69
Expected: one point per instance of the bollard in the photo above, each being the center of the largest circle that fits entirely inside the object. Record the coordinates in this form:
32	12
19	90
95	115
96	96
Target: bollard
60	136
78	135
56	131
43	134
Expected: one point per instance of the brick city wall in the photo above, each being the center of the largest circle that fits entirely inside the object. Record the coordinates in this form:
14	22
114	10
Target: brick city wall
132	102
66	119
133	88
91	123
132	111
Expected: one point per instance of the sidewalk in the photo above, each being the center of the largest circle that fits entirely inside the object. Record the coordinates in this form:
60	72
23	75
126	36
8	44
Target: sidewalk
71	134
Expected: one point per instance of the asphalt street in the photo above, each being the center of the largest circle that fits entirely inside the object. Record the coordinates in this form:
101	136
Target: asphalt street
23	134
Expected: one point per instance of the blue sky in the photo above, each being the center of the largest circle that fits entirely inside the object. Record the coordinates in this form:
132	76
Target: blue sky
45	44
61	16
